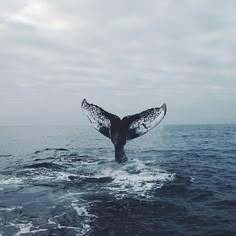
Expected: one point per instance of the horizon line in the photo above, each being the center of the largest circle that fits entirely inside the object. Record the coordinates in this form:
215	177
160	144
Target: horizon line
68	125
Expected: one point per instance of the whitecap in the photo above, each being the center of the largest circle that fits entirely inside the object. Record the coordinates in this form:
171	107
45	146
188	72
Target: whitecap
23	228
6	180
134	178
38	230
82	211
8	209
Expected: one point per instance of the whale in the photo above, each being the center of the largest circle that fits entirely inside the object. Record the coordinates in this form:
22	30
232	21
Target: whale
120	131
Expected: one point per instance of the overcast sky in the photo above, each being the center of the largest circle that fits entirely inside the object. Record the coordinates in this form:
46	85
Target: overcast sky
125	56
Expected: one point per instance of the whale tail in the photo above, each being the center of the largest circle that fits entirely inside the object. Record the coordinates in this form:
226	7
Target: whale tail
100	119
122	130
139	124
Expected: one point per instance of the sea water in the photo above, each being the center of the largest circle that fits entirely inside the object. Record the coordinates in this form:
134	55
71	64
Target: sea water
179	180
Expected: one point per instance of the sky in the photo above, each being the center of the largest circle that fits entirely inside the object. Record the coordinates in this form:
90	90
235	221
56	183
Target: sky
125	56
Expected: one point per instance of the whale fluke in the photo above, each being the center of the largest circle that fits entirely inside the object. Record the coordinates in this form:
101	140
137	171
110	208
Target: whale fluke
141	123
122	130
99	118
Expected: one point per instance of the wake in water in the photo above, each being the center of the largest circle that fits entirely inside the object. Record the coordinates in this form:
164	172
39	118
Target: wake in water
60	184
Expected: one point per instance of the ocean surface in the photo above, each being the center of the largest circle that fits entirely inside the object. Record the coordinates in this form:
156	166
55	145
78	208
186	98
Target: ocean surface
179	180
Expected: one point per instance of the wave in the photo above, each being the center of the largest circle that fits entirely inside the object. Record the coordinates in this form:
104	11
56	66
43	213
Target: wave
10	180
6	155
47	165
51	149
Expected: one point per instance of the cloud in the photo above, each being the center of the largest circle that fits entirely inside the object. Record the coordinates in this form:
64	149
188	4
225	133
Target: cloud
125	56
39	15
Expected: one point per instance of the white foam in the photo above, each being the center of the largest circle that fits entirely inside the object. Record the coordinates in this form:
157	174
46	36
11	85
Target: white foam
82	211
80	231
38	230
24	228
59	226
36	176
57	176
81	208
8	209
65	176
51	222
6	180
135	178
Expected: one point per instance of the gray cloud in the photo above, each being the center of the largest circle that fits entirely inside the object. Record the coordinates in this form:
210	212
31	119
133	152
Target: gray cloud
125	56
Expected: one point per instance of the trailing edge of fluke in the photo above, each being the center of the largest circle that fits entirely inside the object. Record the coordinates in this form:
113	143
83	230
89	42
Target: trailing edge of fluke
122	130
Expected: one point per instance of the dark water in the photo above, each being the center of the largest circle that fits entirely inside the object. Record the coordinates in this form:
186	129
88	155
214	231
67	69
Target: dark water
179	180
